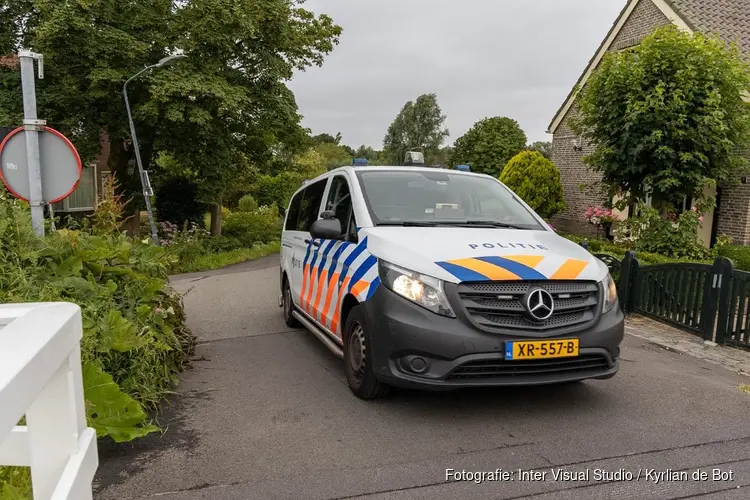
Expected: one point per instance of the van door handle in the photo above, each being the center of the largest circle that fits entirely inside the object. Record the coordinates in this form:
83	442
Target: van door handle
316	243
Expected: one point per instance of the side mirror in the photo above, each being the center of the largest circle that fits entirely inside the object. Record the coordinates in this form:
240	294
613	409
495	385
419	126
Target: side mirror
326	229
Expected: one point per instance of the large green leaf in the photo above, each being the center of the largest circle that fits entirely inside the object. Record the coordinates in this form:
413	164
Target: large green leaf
119	334
71	266
110	411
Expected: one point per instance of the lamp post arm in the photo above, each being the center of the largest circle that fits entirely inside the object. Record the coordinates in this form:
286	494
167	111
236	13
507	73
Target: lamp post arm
136	148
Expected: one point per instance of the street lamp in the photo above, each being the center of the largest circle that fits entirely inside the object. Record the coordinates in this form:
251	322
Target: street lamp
145	183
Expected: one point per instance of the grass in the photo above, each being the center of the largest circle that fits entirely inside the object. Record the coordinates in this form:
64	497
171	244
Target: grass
222	259
15	483
745	388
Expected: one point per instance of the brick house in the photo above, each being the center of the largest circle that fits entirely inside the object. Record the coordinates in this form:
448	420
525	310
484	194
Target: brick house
729	19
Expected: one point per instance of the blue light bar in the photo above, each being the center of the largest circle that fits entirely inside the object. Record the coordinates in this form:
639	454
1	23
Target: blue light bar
463	168
362	162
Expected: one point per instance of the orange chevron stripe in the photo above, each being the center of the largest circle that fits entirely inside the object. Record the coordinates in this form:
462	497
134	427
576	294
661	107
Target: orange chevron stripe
310	288
321	284
492	271
359	287
527	260
332	284
337	312
305	272
569	270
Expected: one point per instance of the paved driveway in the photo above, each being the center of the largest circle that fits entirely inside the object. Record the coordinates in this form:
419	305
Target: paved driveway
265	413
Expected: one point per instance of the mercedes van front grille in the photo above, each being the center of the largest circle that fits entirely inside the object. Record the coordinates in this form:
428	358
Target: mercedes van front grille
502	304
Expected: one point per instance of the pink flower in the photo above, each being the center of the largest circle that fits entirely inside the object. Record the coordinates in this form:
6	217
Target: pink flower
700	219
694	209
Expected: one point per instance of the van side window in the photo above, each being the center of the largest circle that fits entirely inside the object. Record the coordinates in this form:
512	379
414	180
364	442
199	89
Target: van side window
340	202
293	213
310	207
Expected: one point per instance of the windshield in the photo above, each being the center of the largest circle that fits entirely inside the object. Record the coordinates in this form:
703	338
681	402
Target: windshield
396	197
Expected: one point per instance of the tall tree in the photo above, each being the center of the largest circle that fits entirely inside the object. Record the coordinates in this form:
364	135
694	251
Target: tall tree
543	147
419	126
327	139
667	116
223	108
489	145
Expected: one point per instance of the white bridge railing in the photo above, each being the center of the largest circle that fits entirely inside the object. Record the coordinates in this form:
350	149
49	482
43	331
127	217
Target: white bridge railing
40	377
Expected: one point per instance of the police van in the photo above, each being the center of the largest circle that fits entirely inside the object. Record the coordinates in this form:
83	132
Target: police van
432	278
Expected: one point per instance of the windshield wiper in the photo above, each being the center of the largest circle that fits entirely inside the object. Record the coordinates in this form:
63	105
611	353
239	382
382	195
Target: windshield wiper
488	223
458	223
408	223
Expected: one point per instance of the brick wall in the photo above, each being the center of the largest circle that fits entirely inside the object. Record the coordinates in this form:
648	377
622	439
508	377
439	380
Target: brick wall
581	186
645	18
734	212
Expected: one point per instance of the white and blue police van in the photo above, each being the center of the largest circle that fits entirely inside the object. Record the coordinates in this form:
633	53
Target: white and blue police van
431	278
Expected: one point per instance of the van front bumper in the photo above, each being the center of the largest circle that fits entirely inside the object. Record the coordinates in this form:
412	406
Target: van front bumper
412	347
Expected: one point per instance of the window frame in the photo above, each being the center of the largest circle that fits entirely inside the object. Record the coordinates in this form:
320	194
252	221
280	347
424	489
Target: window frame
298	197
347	234
324	182
63	206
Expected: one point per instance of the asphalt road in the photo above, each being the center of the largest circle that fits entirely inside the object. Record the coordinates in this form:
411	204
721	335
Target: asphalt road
265	413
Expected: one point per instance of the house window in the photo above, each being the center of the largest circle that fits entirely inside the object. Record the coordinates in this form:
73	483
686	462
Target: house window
83	199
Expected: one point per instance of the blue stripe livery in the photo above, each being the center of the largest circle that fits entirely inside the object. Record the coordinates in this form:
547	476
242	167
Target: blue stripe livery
462	273
344	245
362	270
520	270
325	257
373	287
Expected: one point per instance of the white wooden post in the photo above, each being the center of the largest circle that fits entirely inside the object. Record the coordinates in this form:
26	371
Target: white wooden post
40	377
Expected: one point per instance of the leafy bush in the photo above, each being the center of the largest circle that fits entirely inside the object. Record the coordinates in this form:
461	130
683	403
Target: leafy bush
260	226
248	204
489	145
177	202
537	181
134	340
740	255
673	236
277	190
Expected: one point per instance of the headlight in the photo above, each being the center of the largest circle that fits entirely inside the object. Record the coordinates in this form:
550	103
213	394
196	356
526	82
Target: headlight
425	291
610	293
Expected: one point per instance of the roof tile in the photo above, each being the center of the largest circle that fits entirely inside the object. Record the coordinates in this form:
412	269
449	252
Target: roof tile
729	19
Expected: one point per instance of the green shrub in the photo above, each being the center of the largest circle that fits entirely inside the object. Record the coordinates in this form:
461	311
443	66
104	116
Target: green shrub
248	204
177	202
537	181
740	255
672	236
134	339
261	226
277	190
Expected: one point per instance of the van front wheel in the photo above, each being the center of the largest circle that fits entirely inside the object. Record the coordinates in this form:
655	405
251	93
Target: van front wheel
289	318
357	360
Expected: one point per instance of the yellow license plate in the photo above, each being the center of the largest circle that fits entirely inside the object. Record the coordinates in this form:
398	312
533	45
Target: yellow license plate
541	349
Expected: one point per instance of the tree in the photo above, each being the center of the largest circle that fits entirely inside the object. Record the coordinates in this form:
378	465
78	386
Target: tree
545	148
667	116
537	181
489	144
327	139
218	112
418	126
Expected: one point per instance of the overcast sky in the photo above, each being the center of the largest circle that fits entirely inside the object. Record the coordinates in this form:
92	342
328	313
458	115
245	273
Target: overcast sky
516	58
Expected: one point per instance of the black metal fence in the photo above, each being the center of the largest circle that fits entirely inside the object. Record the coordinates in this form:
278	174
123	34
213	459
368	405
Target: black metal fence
708	300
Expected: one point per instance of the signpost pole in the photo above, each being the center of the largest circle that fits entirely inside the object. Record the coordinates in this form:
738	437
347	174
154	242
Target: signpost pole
31	129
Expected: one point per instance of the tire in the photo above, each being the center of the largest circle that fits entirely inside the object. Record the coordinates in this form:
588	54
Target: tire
290	320
357	364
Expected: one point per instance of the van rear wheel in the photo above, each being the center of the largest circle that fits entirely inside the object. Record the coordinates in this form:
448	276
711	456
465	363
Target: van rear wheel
357	360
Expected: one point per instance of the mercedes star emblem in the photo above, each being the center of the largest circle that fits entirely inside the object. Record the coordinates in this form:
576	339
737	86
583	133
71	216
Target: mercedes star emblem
540	304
